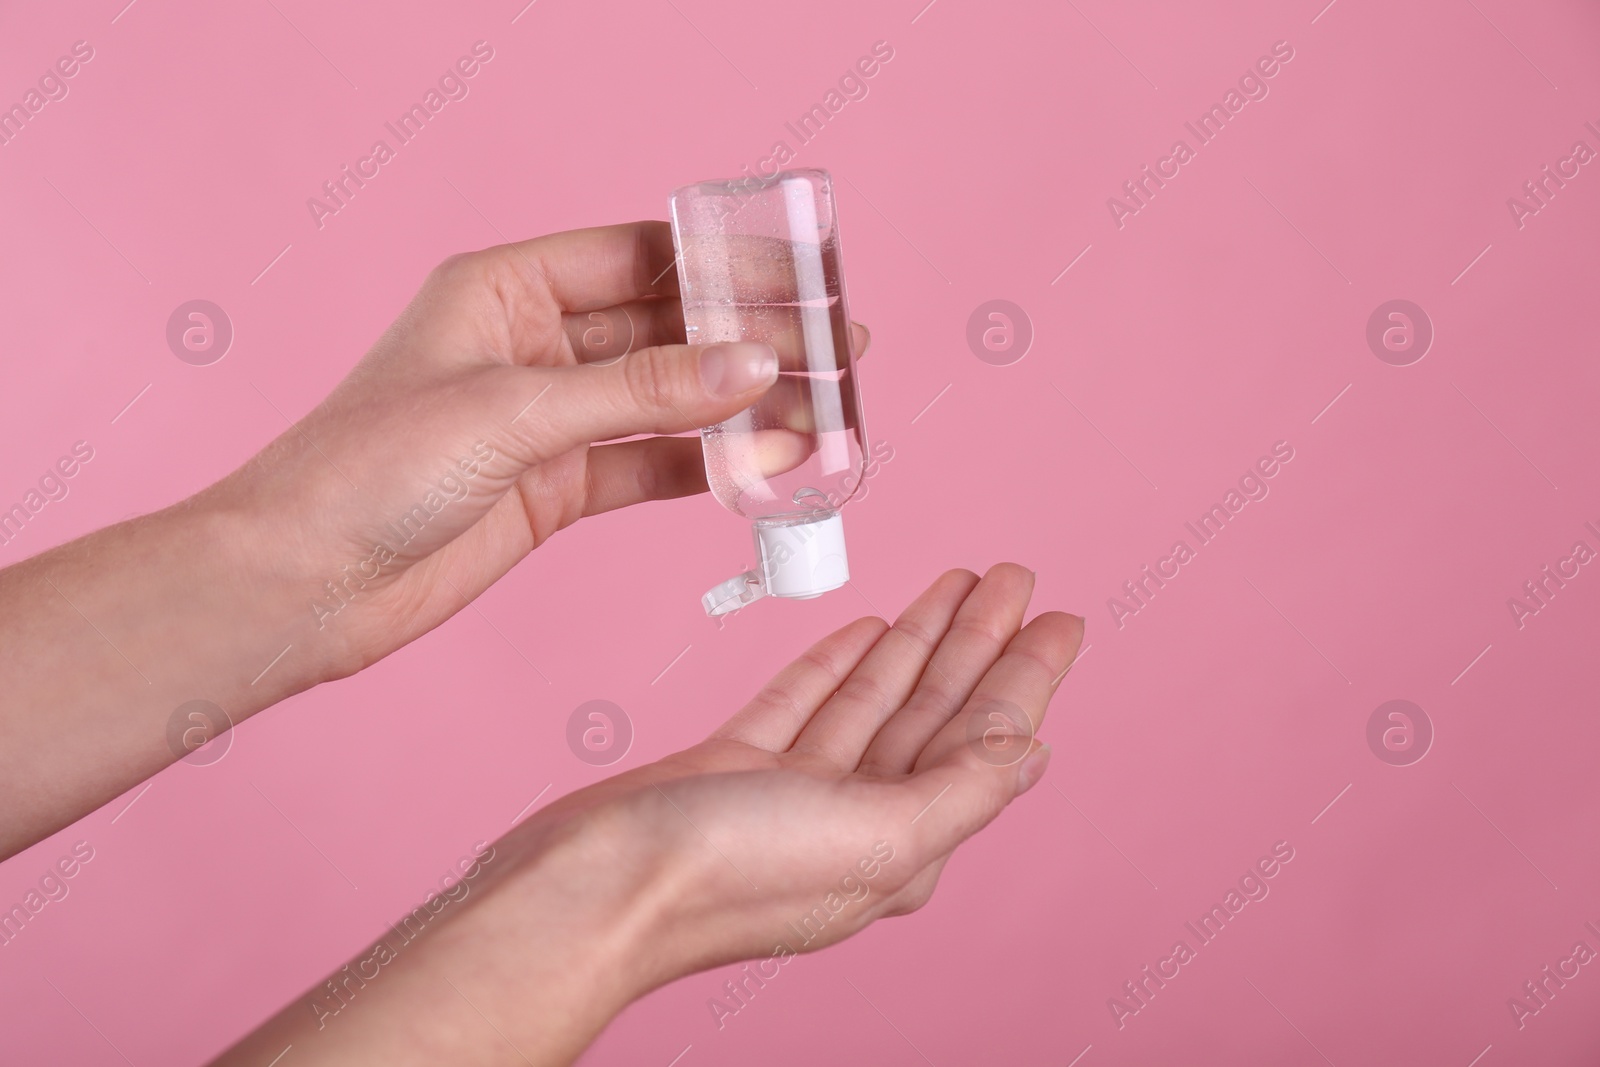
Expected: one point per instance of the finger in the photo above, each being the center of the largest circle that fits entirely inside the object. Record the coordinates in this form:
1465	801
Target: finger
806	337
846	724
597	267
860	340
747	457
784	705
959	785
755	286
611	333
791	422
654	468
1016	690
664	389
978	635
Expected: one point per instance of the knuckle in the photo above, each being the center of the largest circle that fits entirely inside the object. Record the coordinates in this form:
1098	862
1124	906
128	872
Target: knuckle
989	635
1038	661
924	707
651	379
783	703
918	633
863	689
874	765
823	661
495	268
451	267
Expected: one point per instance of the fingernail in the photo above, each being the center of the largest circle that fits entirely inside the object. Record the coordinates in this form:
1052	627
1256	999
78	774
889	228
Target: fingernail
1032	769
868	342
737	367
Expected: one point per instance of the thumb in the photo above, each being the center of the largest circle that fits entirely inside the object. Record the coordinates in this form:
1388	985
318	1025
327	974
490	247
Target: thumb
663	389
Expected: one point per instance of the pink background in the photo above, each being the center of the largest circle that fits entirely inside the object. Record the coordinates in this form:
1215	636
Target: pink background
1223	317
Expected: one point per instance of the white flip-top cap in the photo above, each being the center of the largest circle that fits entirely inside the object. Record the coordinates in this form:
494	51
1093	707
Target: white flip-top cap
799	559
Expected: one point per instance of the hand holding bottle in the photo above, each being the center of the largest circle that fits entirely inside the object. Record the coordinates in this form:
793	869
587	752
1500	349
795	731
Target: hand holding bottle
479	424
491	364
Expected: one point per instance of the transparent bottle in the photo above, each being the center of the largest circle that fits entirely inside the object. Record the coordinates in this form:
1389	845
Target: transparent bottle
758	260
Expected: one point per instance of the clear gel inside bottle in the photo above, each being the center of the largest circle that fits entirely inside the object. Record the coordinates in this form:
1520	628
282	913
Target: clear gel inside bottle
758	260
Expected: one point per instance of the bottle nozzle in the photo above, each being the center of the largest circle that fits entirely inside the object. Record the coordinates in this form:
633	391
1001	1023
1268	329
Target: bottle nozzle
795	558
734	593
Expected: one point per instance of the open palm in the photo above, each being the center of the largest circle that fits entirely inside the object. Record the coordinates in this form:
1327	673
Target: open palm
864	741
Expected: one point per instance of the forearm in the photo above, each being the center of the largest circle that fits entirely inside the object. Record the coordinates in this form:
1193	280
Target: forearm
523	962
103	639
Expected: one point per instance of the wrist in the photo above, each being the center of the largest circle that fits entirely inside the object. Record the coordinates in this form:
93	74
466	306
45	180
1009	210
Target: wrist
566	931
543	940
256	551
240	629
617	893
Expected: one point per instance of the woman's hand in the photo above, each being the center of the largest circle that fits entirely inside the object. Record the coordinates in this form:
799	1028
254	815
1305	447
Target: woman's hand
468	435
483	421
835	759
832	799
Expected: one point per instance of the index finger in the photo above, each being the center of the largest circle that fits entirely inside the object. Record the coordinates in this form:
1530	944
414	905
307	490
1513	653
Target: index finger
598	267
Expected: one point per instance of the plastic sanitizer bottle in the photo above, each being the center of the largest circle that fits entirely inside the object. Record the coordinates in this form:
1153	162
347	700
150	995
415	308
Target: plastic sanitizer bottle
758	260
